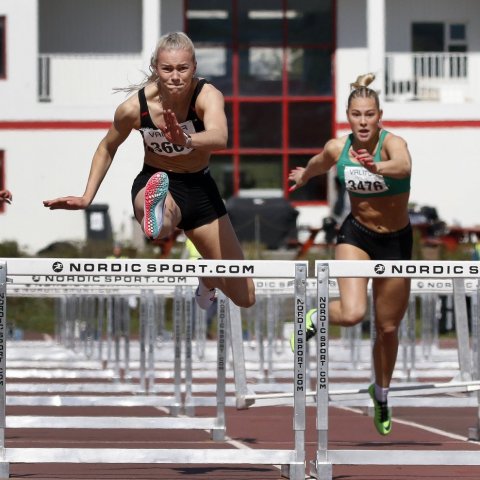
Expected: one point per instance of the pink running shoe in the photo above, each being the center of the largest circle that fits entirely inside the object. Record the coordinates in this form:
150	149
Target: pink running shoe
156	191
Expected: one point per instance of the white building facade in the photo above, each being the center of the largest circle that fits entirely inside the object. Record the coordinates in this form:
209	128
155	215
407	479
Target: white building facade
61	60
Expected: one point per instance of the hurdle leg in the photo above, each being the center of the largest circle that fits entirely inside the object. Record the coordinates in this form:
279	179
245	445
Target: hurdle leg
322	467
259	337
60	318
109	332
461	326
4	466
160	316
189	408
474	432
100	321
89	339
142	321
218	433
428	314
126	337
177	346
272	316
238	356
296	469
116	335
151	341
200	329
407	327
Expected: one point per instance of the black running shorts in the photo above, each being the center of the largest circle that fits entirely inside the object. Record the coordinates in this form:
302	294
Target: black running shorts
196	194
379	246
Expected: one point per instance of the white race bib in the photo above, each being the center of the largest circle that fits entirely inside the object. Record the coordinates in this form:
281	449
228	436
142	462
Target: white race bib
360	180
157	143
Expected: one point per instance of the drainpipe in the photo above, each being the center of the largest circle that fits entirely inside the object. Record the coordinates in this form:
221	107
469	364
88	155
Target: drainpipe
376	43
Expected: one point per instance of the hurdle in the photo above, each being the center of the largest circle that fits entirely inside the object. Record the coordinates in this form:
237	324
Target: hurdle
80	301
98	272
321	467
71	299
358	397
182	290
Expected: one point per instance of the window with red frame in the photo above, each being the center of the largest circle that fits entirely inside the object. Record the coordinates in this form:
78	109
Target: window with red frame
3	48
273	61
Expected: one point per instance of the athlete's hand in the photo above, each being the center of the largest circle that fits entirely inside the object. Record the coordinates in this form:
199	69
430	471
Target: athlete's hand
365	159
66	203
296	176
172	130
6	196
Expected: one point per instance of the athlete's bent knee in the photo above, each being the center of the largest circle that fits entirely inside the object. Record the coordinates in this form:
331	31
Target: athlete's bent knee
244	301
352	318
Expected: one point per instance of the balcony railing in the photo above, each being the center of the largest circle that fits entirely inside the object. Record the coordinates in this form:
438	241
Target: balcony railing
440	77
77	80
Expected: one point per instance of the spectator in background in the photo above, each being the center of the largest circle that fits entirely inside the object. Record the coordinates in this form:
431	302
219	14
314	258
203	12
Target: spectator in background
117	251
476	250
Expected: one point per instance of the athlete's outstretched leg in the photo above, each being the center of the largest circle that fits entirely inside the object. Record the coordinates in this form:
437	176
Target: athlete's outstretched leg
217	241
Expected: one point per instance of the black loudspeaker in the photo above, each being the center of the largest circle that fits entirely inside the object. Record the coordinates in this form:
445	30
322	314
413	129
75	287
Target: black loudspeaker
269	221
99	226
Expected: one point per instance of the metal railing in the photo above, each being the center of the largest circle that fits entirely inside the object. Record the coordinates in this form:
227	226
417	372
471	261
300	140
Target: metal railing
85	79
431	76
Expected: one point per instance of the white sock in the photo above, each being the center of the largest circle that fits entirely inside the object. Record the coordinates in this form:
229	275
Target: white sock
204	295
381	393
159	212
202	288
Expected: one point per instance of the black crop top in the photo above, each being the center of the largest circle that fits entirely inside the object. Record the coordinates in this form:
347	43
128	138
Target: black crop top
154	139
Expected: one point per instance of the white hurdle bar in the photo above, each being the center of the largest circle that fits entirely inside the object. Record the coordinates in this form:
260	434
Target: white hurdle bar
99	273
321	467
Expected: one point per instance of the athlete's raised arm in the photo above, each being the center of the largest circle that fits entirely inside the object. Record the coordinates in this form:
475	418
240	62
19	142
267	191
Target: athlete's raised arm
125	117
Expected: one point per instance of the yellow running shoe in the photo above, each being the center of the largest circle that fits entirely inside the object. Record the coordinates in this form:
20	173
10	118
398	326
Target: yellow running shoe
310	328
383	415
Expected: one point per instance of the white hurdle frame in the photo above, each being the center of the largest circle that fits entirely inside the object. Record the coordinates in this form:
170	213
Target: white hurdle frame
97	273
321	467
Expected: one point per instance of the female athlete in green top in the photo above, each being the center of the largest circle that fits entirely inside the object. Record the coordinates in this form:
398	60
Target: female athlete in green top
375	167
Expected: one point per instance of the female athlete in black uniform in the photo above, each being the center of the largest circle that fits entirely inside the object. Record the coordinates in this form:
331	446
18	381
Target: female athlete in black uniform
182	120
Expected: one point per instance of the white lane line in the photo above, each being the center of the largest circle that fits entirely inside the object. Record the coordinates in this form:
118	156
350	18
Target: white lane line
409	423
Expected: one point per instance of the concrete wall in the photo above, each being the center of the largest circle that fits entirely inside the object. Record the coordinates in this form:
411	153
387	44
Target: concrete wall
401	14
19	90
44	165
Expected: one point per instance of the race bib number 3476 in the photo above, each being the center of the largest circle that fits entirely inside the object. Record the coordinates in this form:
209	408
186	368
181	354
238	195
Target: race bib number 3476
360	180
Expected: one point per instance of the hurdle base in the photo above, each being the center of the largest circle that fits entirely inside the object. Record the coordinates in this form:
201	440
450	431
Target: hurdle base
218	434
321	470
243	403
293	471
175	410
189	410
4	470
473	433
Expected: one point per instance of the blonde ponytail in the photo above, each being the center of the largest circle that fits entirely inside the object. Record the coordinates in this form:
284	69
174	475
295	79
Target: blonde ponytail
360	89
